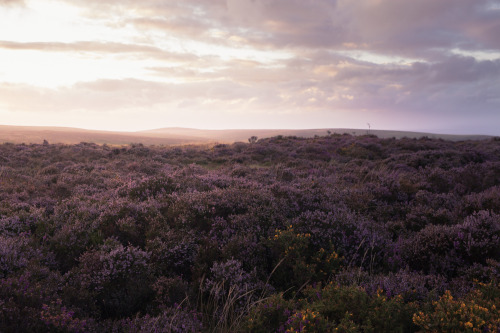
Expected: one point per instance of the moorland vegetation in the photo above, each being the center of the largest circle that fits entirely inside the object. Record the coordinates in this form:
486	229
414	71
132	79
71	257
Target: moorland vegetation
286	234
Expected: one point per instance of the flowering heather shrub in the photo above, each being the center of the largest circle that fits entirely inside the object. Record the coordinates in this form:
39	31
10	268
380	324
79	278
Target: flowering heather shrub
152	187
14	254
173	255
445	249
228	294
101	239
478	237
115	277
22	297
433	208
58	318
475	177
430	250
486	200
71	230
411	286
359	241
270	314
170	291
24	221
170	320
229	280
127	221
253	254
17	253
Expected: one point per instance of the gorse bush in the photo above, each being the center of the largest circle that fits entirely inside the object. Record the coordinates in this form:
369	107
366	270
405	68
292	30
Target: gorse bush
476	312
285	234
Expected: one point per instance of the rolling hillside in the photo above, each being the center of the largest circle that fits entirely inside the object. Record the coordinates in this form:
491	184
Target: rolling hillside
179	136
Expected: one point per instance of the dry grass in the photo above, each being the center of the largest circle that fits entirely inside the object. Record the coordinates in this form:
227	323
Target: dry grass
227	315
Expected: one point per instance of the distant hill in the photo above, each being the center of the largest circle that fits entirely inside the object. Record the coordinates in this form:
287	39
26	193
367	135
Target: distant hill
179	136
244	134
67	135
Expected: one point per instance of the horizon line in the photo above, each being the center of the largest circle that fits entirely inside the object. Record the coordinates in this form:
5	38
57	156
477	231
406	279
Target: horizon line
56	127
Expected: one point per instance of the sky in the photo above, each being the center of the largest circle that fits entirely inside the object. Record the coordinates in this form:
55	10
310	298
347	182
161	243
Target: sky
128	65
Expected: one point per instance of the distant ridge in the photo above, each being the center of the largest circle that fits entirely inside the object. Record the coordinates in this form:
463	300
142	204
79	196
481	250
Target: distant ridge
179	135
243	134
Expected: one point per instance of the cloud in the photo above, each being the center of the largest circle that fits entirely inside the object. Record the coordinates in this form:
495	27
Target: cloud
259	22
11	2
388	26
456	70
422	25
456	85
362	57
459	84
100	48
110	95
78	47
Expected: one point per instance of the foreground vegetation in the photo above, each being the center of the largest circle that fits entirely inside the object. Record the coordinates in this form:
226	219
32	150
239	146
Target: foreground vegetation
335	233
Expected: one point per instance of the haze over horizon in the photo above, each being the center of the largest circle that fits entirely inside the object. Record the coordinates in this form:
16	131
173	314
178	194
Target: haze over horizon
425	66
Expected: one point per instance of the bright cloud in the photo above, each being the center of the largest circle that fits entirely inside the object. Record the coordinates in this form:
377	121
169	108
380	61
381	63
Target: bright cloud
420	65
